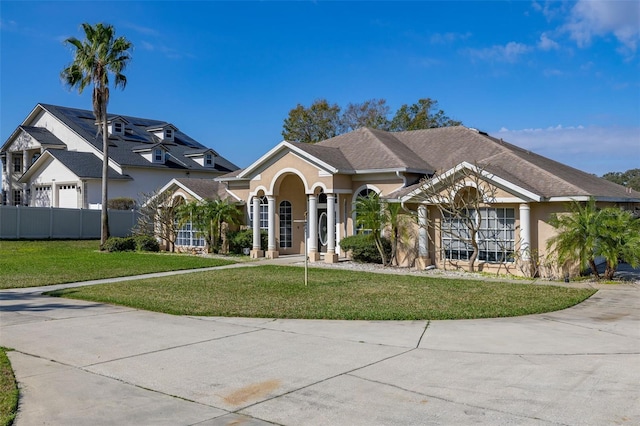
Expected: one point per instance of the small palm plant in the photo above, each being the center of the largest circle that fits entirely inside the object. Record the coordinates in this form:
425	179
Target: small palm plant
577	236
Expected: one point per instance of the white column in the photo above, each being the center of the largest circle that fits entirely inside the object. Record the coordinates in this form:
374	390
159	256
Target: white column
312	219
423	238
331	256
525	231
256	251
271	214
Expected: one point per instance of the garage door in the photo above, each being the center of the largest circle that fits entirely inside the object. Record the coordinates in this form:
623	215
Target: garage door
67	196
42	197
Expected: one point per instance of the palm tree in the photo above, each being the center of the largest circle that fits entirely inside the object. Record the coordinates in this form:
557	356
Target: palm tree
370	216
95	58
225	211
618	239
577	237
392	218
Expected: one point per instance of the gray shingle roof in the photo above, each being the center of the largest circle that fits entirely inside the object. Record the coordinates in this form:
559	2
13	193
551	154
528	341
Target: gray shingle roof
83	123
84	164
43	136
440	149
205	188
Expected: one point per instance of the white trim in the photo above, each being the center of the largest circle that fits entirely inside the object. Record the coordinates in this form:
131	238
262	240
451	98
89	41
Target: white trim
595	197
289	170
284	145
530	196
508	200
320	185
178	184
363	187
228	191
258	189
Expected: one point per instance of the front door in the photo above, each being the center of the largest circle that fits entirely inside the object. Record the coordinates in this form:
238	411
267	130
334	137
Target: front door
322	230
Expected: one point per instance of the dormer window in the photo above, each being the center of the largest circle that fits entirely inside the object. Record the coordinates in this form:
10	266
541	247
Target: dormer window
158	155
205	158
117	126
165	132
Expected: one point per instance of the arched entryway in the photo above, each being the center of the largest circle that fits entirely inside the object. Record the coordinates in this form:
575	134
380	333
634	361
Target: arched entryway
291	207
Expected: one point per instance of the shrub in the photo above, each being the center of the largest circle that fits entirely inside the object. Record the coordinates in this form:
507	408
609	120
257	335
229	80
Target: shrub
239	240
120	244
147	243
122	203
363	248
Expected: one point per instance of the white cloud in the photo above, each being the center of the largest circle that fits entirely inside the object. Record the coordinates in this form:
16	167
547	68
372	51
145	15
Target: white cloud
593	149
510	52
546	43
591	18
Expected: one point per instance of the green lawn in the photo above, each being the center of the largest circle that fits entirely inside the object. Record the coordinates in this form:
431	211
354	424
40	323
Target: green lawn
279	292
37	263
8	390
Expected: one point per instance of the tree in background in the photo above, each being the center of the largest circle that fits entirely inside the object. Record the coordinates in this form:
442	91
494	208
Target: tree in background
421	115
323	121
372	113
95	58
310	125
630	178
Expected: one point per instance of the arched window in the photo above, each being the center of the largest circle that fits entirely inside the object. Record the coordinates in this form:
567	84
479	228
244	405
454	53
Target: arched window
286	225
365	193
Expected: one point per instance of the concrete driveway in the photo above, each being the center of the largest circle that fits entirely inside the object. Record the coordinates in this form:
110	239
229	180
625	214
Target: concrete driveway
81	363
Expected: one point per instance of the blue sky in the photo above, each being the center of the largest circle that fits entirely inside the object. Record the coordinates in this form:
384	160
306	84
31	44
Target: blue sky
559	78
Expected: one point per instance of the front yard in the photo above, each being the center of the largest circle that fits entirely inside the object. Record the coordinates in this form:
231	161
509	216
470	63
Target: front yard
279	292
38	263
268	291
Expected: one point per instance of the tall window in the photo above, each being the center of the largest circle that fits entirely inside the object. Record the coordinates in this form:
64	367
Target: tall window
285	225
158	155
17	163
264	213
188	236
17	197
365	193
496	236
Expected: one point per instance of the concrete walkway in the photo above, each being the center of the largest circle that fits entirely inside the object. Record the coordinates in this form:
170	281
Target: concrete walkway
83	363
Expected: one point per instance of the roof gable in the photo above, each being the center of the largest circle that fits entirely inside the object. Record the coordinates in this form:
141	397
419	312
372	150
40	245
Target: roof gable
82	164
306	152
462	170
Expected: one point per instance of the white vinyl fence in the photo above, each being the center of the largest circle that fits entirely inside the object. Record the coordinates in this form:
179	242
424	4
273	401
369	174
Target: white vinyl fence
37	223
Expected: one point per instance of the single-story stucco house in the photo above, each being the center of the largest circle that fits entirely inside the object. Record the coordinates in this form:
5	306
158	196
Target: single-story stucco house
294	184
